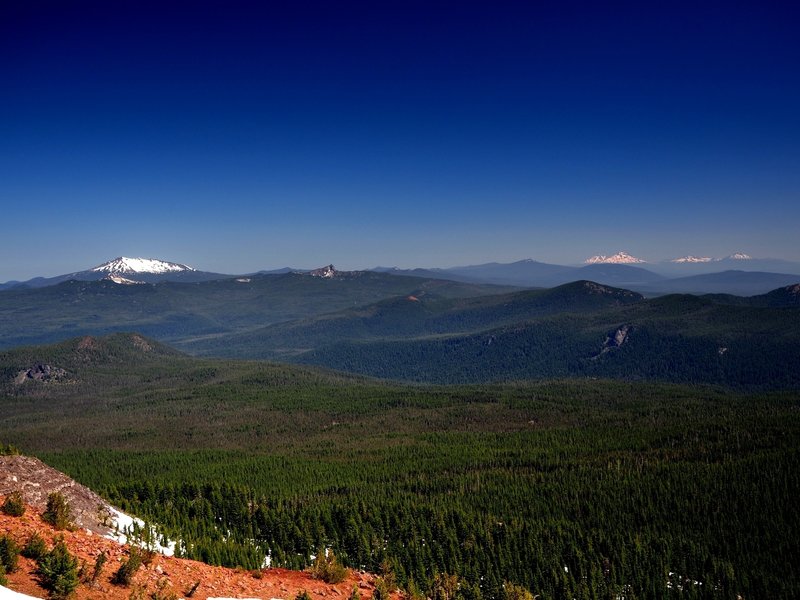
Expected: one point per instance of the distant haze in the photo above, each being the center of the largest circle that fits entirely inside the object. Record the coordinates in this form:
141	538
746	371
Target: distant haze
247	136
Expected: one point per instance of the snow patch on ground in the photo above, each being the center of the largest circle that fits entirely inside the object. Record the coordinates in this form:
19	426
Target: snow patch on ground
7	594
132	530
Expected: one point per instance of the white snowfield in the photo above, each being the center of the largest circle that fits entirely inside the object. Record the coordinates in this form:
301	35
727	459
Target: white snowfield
7	594
620	258
125	525
692	259
124	264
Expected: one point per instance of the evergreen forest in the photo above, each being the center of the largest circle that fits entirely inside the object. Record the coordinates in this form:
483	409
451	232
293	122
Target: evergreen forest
578	488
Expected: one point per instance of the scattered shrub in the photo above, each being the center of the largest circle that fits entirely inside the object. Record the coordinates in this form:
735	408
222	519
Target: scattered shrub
58	512
104	515
57	571
97	570
128	568
512	591
302	596
9	450
14	506
355	594
147	555
162	591
3	579
328	568
35	547
9	554
190	592
137	593
381	591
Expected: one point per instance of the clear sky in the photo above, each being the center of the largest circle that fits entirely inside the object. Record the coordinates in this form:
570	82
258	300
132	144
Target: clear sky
238	136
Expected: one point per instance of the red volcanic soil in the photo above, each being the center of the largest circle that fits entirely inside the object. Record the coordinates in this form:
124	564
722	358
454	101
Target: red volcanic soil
176	575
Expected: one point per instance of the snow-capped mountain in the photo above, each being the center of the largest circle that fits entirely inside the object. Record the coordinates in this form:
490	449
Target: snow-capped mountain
126	266
737	256
620	258
691	259
125	271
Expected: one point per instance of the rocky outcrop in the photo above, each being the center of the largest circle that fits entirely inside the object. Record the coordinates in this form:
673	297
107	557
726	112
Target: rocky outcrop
615	339
41	372
328	272
35	481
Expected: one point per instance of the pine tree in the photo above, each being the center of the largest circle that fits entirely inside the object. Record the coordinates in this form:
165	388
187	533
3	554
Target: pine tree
57	571
13	506
58	512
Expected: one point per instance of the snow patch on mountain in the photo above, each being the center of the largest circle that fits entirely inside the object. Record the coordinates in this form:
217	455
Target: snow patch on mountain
691	259
737	256
620	258
127	265
121	280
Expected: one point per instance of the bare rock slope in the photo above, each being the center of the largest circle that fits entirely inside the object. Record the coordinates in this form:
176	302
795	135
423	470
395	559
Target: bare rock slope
35	480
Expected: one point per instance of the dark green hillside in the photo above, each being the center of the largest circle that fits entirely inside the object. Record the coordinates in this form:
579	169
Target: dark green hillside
178	311
414	316
678	338
578	489
785	296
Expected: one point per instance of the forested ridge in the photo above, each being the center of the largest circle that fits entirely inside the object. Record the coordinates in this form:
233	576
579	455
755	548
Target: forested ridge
568	331
570	488
422	330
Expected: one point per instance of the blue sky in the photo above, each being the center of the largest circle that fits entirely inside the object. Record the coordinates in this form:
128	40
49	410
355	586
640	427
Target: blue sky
237	136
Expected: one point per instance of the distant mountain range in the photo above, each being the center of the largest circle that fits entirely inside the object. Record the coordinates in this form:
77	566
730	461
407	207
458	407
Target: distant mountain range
467	324
689	274
620	258
729	275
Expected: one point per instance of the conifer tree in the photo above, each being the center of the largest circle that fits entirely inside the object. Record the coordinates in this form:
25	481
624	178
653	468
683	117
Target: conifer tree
57	571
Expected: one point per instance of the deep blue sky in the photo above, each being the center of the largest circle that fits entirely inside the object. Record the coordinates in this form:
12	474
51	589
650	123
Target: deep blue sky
239	136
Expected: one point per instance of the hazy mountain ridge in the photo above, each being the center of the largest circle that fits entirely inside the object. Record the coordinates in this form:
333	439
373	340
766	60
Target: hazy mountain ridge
620	269
749	342
419	315
173	311
670	277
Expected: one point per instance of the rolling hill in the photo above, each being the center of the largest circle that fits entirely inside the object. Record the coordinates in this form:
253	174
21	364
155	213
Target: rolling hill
566	331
